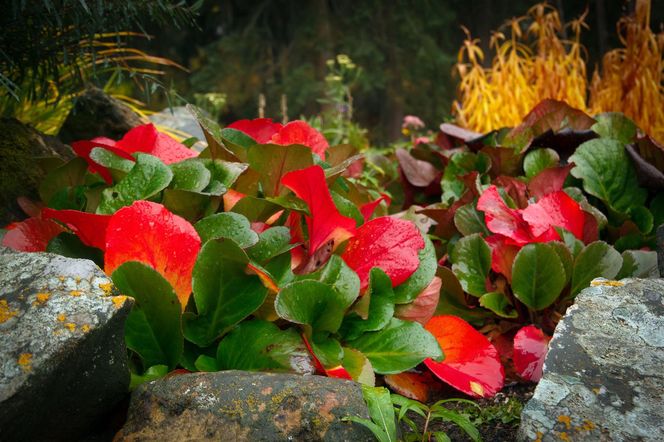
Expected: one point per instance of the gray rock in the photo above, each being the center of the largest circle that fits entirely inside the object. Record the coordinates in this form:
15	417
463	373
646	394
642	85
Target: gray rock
20	174
245	406
63	361
96	114
603	376
179	119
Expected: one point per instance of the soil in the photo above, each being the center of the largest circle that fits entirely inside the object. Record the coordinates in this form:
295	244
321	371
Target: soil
497	419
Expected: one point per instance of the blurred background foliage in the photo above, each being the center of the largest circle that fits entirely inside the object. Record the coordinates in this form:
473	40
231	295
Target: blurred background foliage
236	50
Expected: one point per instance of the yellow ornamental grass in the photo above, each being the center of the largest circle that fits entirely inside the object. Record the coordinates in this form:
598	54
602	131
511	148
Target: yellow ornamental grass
632	78
536	63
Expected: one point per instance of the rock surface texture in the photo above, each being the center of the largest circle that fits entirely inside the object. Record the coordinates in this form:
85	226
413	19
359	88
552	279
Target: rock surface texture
63	361
244	406
604	374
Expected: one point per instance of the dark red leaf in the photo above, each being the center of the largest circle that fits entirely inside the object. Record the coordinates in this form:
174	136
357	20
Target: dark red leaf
472	364
89	227
502	254
549	180
418	173
390	244
515	188
324	223
260	129
147	232
530	347
31	235
299	132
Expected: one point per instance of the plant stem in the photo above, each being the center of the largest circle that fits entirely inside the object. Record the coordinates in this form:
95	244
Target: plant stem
426	426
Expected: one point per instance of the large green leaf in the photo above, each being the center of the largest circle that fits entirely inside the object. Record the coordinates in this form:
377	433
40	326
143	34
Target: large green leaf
616	126
359	367
381	411
341	278
153	328
608	173
566	258
537	160
190	205
224	293
408	290
223	172
381	307
273	161
227	225
311	303
261	345
327	349
538	275
148	177
118	167
255	209
398	347
499	304
190	175
639	264
471	258
469	220
596	260
271	242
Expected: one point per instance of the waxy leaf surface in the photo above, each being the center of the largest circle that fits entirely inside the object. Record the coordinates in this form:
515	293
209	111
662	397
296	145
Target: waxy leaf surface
471	258
227	225
538	276
89	227
31	235
596	260
472	364
148	233
530	347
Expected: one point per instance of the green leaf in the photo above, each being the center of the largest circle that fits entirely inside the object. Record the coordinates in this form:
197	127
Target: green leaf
573	244
566	258
341	278
615	126
398	347
657	209
311	303
381	411
458	419
608	173
453	302
190	205
359	367
261	345
461	163
499	304
224	293
216	149
190	175
538	275
643	219
639	264
206	363
237	137
328	350
347	208
272	242
469	220
408	290
69	245
255	209
381	307
118	167
539	159
153	373
148	177
471	259
69	175
596	260
336	170
224	172
273	161
153	328
227	225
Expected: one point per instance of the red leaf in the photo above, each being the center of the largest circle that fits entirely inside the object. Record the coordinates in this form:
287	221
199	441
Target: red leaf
31	235
502	254
556	209
299	132
549	180
515	188
501	219
530	347
170	150
83	149
472	364
231	198
418	173
260	129
325	223
367	209
147	232
413	385
89	227
388	243
335	372
424	306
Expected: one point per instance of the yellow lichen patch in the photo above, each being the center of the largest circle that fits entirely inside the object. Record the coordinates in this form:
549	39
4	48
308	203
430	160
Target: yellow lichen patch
25	361
107	288
476	388
587	426
6	313
604	282
539	436
563	436
70	326
61	278
75	293
61	317
85	328
77	279
565	420
119	301
41	298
